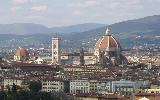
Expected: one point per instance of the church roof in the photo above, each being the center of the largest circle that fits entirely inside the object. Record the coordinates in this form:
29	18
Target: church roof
21	52
107	41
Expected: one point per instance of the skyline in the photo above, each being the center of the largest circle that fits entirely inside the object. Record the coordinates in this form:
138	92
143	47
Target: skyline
68	12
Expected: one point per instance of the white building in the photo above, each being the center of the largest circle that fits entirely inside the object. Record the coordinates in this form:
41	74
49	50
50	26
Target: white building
9	82
74	58
52	85
39	61
123	87
79	86
103	86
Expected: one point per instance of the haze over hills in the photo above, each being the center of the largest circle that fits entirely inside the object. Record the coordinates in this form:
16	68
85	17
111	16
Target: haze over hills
22	28
30	28
139	31
77	28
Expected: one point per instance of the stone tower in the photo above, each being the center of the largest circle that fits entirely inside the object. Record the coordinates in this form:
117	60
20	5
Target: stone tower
56	50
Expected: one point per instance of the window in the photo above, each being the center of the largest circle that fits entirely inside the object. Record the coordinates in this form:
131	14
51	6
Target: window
54	46
54	52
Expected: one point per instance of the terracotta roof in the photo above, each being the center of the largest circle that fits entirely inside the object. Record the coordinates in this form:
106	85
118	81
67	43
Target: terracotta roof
107	41
147	94
22	52
101	96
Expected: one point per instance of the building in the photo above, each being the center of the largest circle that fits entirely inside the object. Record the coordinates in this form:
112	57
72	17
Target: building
97	96
8	82
150	91
53	85
70	58
77	58
93	86
79	86
103	86
39	61
108	51
56	50
21	54
147	96
123	87
85	69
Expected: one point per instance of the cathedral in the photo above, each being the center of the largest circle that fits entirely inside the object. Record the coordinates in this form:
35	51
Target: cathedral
107	52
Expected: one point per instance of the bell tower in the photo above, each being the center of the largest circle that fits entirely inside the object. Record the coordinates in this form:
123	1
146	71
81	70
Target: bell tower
56	50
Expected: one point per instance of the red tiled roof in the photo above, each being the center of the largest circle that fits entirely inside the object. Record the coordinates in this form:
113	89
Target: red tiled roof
22	52
107	41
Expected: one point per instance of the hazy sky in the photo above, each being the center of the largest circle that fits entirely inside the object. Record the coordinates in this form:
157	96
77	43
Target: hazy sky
69	12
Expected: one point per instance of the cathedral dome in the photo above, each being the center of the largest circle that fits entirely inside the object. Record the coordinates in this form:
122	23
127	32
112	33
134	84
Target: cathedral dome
21	52
107	42
108	51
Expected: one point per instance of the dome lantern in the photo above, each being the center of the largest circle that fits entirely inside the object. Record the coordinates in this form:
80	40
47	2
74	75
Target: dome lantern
108	31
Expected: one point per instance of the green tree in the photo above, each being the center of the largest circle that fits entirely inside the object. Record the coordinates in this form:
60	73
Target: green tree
35	86
45	96
3	95
23	95
14	88
9	89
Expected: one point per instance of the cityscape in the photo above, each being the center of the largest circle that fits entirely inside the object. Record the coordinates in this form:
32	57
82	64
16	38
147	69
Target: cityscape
116	60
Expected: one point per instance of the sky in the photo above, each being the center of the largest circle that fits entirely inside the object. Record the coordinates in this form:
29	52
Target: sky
53	13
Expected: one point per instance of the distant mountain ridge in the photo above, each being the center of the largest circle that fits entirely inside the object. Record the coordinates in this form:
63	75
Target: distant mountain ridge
139	31
77	28
22	28
30	28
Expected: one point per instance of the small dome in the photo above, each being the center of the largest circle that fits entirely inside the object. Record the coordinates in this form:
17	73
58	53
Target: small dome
107	41
22	52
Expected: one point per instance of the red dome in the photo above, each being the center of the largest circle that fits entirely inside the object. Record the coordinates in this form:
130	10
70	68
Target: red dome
22	52
107	41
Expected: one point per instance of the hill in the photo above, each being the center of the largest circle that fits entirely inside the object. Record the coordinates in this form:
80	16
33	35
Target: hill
30	28
133	32
23	28
77	28
143	31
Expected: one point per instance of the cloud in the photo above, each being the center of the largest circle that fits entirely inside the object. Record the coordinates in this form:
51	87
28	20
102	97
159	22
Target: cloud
91	3
40	8
83	4
16	8
20	1
77	13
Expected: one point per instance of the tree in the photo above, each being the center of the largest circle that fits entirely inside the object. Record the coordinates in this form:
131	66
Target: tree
14	88
23	95
35	86
9	89
45	96
3	95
